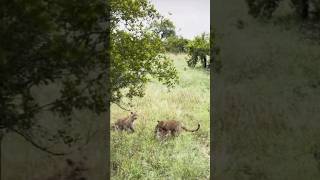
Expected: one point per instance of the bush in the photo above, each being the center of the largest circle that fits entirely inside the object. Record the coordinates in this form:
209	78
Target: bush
176	44
199	50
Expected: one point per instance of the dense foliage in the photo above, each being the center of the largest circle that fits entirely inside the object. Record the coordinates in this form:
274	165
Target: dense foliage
173	43
164	27
50	42
199	50
304	9
176	44
63	43
137	49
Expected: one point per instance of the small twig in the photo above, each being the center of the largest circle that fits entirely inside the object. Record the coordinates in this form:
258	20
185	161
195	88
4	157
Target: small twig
121	106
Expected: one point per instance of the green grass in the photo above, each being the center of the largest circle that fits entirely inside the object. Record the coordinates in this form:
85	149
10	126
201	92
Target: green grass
140	156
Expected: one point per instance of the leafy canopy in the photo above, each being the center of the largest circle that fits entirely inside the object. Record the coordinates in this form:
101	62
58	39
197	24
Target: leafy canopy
137	52
198	50
164	27
46	43
176	44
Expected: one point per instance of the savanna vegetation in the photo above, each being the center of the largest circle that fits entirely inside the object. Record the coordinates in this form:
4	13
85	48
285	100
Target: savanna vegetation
148	79
140	156
176	44
56	75
158	85
199	51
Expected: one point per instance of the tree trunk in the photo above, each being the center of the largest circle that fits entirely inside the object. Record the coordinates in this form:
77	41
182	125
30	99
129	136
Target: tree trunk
204	62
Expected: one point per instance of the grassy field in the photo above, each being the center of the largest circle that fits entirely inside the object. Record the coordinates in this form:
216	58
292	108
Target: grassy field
140	156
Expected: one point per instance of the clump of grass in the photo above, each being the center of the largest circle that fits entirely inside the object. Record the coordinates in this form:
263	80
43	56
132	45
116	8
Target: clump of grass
139	156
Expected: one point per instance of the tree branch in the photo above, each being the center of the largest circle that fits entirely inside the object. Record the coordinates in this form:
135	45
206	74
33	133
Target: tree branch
121	106
28	139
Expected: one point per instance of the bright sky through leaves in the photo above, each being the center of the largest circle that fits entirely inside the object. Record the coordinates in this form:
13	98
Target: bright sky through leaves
191	17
